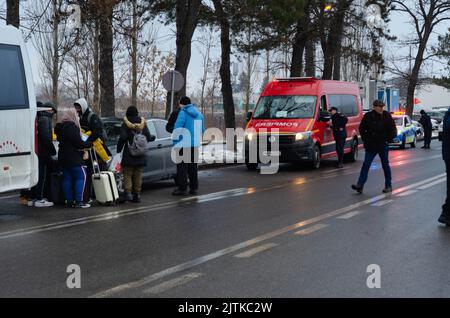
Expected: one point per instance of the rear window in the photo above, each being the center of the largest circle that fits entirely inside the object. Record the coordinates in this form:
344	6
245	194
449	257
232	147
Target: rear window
13	88
286	107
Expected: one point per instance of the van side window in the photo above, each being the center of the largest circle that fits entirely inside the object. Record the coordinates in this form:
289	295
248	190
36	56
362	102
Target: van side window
323	104
346	104
13	85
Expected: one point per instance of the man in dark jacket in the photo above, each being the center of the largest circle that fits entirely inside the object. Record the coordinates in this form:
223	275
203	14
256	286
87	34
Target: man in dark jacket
45	150
132	166
339	124
425	121
445	216
377	129
172	119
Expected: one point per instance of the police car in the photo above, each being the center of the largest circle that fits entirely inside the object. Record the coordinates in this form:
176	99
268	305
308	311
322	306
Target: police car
406	131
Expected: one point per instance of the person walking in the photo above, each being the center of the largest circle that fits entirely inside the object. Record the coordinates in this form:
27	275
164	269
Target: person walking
45	150
71	157
445	215
187	134
425	121
132	165
339	127
377	129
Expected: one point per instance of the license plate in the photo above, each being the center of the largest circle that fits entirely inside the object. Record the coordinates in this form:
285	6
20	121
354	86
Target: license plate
272	153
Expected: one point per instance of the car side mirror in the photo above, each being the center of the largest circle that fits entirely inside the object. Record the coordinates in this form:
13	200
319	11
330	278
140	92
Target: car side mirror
324	116
249	116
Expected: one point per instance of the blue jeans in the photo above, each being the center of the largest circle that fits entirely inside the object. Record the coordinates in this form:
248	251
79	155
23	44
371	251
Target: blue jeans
370	156
74	183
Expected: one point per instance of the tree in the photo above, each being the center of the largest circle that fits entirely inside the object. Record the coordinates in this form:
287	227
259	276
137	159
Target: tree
425	15
13	12
443	51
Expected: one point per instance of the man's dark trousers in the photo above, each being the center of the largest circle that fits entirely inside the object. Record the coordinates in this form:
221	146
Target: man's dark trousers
340	137
427	137
187	170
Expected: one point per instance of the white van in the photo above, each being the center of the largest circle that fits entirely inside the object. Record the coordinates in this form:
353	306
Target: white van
18	159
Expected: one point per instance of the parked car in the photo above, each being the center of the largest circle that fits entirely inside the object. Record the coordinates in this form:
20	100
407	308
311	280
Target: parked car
406	132
159	162
419	130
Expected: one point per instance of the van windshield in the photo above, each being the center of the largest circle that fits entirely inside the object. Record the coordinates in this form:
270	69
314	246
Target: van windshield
291	107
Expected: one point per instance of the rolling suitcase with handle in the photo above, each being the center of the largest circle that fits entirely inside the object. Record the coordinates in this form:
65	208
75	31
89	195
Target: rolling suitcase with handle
104	183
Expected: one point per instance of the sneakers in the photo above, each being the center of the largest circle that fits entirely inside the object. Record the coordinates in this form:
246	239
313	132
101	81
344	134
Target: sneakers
358	188
81	205
387	190
43	204
31	203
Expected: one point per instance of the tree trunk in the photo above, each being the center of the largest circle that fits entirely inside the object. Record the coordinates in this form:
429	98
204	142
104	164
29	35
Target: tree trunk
310	58
96	105
337	61
299	48
13	13
106	64
55	57
134	48
187	12
225	67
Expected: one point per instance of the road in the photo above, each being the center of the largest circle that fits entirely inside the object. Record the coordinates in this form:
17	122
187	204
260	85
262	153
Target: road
298	233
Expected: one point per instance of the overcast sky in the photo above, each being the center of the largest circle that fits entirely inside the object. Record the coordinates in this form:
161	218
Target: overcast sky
399	26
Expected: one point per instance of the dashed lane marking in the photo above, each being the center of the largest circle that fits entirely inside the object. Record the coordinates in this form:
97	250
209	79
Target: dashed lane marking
349	215
256	250
311	229
176	282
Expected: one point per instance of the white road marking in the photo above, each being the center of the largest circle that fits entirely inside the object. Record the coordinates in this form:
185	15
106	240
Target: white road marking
257	240
382	203
407	193
163	287
256	250
431	184
311	229
349	215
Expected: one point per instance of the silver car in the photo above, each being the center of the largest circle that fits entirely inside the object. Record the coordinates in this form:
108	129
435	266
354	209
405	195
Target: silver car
159	162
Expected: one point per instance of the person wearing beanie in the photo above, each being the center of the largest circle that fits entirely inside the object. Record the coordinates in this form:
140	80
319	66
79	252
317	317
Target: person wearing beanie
187	135
132	166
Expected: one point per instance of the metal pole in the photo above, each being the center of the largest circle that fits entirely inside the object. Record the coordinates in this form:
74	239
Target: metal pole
173	92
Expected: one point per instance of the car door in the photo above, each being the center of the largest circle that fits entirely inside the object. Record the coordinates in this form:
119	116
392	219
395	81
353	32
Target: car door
165	144
155	158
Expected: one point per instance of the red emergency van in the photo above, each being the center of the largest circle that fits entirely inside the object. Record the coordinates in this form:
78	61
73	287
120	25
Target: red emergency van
296	111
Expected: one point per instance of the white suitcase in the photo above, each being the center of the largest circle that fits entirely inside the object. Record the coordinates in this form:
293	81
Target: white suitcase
104	183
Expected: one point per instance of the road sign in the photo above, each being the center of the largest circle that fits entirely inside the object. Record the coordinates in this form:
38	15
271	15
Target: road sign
173	81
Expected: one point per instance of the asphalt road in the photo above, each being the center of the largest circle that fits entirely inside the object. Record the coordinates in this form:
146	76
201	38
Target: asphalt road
299	233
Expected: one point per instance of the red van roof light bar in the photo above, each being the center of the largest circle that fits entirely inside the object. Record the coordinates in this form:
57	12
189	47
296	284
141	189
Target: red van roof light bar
296	79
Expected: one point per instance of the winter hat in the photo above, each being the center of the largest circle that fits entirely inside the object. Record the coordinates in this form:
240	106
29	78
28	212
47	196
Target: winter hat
185	100
132	111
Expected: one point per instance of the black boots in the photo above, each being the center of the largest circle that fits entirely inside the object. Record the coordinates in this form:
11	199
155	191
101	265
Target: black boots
358	188
445	216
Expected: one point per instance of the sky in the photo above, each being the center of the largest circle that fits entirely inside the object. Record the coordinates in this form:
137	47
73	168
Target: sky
399	26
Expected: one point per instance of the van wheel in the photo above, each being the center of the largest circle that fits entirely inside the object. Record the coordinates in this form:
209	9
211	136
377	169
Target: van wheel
353	155
315	164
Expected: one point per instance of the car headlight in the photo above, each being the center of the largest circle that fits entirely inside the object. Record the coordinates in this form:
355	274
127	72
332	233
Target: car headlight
302	136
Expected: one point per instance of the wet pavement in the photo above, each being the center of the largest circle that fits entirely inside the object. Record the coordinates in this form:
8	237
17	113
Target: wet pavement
298	233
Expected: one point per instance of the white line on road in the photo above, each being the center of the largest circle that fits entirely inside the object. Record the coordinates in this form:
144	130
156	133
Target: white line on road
246	244
407	193
382	203
431	184
176	282
349	215
311	229
256	250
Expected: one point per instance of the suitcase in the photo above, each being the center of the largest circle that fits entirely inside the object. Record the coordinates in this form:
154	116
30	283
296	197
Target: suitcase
104	183
56	188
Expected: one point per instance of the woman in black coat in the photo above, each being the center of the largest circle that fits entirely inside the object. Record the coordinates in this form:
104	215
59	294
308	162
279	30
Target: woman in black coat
132	166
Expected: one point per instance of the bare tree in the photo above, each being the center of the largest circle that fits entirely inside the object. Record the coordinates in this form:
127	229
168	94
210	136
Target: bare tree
13	12
207	44
425	16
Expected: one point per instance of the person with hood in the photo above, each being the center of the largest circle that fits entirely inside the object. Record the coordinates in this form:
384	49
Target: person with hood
445	216
90	122
425	121
187	135
71	158
45	150
132	166
339	124
377	129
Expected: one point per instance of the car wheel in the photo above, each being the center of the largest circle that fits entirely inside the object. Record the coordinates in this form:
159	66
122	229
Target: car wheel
413	144
316	157
353	155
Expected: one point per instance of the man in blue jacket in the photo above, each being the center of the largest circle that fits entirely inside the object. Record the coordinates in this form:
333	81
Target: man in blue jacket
187	136
445	216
